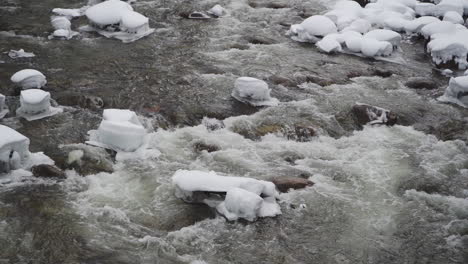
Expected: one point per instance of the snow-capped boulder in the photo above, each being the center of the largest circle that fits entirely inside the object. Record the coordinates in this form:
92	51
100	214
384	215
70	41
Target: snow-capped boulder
14	54
454	17
119	130
69	13
449	47
424	9
245	198
35	104
107	13
329	44
60	22
29	78
14	149
456	92
449	5
417	24
253	91
354	44
312	28
384	35
438	27
217	11
3	106
359	25
372	48
133	22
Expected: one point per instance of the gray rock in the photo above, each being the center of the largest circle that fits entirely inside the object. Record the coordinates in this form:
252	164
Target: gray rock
48	171
283	184
421	83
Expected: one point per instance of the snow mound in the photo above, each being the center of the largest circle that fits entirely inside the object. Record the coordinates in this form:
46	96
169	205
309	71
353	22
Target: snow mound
217	11
329	44
35	104
371	47
253	91
456	92
312	28
454	17
243	195
3	107
69	13
14	54
107	13
119	130
29	78
384	35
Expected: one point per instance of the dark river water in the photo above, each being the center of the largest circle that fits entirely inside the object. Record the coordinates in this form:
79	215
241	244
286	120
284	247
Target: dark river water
382	194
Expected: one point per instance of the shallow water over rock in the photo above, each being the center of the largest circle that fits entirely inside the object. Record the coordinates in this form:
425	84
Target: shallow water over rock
381	195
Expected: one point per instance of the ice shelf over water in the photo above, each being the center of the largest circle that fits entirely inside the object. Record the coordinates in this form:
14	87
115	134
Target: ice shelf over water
119	130
29	79
243	195
253	91
35	104
14	54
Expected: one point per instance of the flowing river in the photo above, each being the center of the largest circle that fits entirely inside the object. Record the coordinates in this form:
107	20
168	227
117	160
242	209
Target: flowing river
381	195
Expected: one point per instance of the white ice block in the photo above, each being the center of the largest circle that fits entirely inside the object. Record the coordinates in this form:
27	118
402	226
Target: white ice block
253	91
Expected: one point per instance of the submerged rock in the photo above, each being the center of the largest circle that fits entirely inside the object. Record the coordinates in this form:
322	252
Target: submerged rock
367	114
283	184
421	83
48	171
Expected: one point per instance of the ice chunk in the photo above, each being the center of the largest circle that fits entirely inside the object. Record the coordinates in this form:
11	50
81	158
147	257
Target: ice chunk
329	44
240	203
35	104
69	13
14	149
253	91
119	130
217	11
107	13
456	92
371	47
60	22
3	106
29	78
454	17
20	54
384	35
311	28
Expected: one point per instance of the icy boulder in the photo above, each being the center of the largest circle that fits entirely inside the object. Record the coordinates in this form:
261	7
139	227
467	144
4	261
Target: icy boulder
446	48
29	78
253	91
3	106
14	149
35	104
312	28
456	92
119	130
14	54
245	198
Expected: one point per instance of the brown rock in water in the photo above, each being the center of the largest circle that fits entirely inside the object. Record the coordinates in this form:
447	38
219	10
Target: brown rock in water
283	184
200	146
47	171
368	114
421	83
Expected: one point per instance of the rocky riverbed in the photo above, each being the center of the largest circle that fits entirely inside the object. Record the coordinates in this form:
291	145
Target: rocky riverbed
382	194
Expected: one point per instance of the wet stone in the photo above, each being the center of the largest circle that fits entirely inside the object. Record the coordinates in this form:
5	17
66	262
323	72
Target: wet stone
284	184
367	114
47	171
200	146
421	83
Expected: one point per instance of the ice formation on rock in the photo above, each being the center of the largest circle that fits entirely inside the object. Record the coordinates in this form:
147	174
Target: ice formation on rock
62	26
14	54
119	130
456	92
14	149
116	19
217	11
253	91
3	107
35	104
29	78
245	198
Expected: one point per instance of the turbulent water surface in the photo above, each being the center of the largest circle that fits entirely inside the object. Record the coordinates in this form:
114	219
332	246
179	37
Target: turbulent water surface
382	194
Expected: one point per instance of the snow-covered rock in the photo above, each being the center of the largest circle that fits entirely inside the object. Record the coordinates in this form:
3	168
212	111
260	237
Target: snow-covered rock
217	11
454	17
437	27
371	47
243	195
29	78
329	44
69	13
60	22
133	22
119	130
14	149
449	5
107	13
35	104
384	35
354	43
424	9
312	28
14	54
359	25
3	107
417	24
253	91
456	92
